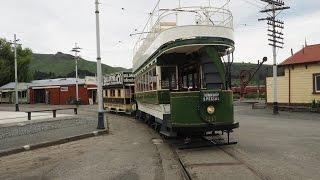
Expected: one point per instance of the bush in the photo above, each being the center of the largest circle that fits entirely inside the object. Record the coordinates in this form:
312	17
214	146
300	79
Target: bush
236	96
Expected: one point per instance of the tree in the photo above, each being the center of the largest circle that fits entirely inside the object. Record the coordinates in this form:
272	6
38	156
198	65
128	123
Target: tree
24	57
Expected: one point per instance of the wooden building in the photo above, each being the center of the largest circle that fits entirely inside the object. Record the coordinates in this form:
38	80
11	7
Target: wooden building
7	93
62	91
301	83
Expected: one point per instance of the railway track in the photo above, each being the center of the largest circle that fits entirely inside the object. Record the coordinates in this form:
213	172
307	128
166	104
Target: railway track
184	172
187	173
185	168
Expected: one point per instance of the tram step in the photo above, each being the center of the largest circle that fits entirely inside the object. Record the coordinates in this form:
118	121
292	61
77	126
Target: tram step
168	134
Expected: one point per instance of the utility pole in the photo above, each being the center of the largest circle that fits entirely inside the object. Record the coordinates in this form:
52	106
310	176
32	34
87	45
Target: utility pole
76	50
15	40
275	27
177	16
99	71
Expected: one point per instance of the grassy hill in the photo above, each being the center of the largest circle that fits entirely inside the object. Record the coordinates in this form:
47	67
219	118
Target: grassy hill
61	65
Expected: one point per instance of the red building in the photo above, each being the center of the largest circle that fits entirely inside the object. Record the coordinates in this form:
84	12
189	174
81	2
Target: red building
63	91
249	89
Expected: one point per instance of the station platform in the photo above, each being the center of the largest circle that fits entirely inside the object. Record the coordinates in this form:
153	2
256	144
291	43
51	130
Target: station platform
10	117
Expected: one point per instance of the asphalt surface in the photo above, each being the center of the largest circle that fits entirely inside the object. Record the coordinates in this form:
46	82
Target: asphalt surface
16	134
47	135
286	146
131	151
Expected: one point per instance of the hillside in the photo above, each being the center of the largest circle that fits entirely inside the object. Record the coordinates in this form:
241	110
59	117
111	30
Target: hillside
62	65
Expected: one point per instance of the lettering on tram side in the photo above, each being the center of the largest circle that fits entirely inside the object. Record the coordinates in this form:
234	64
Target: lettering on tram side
211	97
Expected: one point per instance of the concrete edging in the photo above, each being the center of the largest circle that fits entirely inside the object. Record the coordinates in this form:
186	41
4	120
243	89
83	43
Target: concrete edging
51	143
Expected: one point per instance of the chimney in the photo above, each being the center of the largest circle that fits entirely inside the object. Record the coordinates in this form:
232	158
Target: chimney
305	42
291	52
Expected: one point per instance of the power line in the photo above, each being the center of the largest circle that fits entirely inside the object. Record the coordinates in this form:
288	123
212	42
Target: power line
253	4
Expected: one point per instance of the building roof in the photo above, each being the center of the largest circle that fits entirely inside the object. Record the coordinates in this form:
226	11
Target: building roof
56	82
309	54
11	86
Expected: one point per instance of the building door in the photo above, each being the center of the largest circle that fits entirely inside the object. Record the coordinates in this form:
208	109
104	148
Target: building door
94	96
39	96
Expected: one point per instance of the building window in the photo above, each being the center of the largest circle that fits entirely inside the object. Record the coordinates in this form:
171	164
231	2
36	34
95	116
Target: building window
23	94
316	79
119	93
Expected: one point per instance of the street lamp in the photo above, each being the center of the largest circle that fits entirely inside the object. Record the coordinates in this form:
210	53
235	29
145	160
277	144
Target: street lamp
99	71
76	50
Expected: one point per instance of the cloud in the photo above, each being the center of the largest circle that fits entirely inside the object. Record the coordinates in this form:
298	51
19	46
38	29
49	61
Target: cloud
252	44
51	26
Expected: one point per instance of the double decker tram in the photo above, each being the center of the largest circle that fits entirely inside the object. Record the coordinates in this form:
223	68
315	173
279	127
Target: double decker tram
119	93
180	78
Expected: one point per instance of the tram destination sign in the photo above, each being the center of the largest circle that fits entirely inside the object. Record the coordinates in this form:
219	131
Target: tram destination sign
211	97
119	79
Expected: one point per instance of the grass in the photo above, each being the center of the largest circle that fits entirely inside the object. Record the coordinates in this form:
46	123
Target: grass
62	64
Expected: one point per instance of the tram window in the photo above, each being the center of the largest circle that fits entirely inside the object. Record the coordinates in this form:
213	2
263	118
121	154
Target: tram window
195	76
145	82
168	78
136	85
148	81
153	79
139	83
190	81
112	93
185	82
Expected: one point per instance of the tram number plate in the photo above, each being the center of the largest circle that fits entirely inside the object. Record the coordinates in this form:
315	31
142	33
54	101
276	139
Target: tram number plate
211	97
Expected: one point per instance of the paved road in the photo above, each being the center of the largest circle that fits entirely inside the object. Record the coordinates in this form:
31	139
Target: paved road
270	147
130	152
279	147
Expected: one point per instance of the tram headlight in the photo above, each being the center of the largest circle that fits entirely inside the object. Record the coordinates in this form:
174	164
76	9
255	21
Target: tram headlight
210	110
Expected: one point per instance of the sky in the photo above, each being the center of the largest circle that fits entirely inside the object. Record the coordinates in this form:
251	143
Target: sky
49	27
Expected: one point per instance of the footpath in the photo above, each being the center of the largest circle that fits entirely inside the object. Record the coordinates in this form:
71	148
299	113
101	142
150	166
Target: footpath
18	135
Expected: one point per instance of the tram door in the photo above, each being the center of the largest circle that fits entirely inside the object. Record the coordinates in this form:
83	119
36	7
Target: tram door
189	77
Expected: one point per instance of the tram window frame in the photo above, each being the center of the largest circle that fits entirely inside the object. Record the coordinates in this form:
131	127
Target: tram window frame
190	77
169	87
147	81
154	78
112	92
139	83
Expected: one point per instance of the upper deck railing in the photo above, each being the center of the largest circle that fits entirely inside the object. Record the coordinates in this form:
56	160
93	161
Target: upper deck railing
163	19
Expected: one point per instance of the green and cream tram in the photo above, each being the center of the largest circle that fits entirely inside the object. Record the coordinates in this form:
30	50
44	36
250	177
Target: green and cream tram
119	93
180	79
